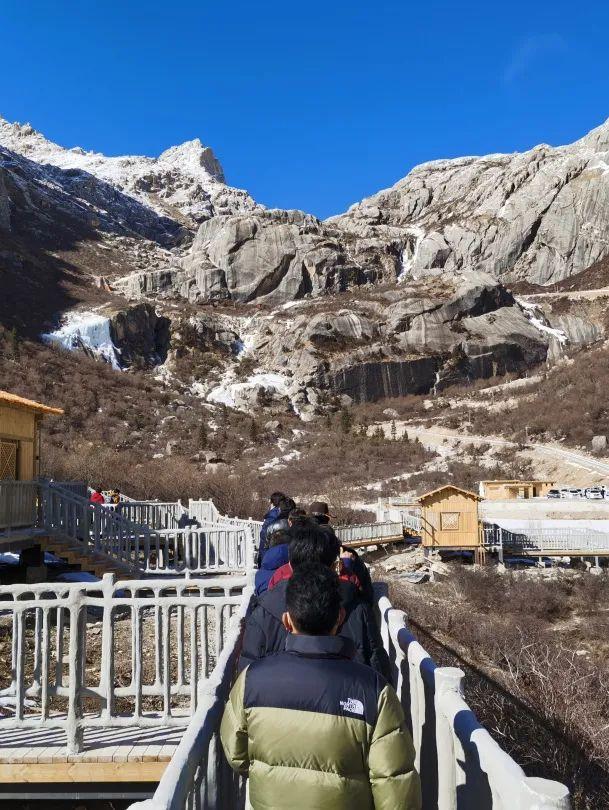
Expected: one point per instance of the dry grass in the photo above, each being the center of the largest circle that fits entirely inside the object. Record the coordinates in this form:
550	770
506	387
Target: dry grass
545	643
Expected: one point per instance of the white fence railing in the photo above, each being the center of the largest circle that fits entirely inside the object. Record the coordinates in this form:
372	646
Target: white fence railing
366	532
538	539
100	530
153	514
460	764
198	775
160	638
202	551
18	505
206	512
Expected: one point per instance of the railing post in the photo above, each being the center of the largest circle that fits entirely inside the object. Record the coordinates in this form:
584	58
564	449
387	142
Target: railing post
78	629
543	794
106	683
448	680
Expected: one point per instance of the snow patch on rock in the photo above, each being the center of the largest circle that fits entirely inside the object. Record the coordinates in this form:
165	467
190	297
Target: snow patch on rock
237	394
536	317
86	331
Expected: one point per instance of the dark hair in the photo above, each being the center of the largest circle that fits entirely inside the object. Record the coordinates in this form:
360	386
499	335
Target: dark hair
285	506
313	599
275	497
298	517
310	544
321	520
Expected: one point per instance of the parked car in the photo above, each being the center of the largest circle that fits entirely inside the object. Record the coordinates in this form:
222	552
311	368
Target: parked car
553	493
595	493
571	492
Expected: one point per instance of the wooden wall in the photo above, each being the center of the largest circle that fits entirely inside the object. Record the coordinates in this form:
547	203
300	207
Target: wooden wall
508	490
443	510
21	426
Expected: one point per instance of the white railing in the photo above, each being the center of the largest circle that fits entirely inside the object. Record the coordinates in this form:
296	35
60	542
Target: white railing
18	505
204	511
74	487
198	775
162	637
460	764
366	532
100	530
202	551
153	514
539	539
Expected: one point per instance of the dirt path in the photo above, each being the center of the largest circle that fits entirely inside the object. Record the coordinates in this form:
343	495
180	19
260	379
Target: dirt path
549	460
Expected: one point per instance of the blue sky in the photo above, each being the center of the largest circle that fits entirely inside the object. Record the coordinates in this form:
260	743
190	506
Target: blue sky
307	105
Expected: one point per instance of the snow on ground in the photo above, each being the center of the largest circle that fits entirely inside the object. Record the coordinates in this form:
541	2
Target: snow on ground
89	331
234	394
533	313
280	461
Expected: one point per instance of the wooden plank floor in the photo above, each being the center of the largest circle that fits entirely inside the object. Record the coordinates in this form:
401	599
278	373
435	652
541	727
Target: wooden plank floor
109	755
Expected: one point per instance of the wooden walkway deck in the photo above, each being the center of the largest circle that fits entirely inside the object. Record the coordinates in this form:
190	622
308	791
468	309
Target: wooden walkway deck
109	755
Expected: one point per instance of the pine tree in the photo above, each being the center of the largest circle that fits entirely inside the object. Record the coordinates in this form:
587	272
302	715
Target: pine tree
346	420
254	430
203	436
14	344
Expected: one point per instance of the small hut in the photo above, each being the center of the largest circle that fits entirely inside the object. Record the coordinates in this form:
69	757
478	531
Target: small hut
449	518
20	421
512	489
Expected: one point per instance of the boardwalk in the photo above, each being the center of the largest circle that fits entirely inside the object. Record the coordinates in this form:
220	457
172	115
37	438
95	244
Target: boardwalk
124	682
108	755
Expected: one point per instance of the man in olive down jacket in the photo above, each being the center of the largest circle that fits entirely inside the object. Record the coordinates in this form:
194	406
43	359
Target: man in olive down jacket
313	729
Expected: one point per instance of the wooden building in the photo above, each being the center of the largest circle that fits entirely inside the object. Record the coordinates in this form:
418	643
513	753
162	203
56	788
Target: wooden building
509	489
20	421
449	518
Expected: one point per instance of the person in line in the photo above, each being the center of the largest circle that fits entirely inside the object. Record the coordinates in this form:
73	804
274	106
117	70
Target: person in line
277	540
270	517
97	496
351	562
311	728
264	630
275	556
115	497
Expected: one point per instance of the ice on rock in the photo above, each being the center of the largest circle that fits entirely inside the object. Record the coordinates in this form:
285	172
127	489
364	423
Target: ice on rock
89	331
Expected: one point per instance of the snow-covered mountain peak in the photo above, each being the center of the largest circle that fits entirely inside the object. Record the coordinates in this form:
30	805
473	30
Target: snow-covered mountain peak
194	156
187	178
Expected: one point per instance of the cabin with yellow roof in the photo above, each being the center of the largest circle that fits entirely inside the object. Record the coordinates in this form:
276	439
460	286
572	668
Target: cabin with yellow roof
20	421
449	518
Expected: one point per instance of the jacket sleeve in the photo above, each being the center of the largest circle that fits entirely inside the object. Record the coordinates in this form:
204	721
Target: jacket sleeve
254	640
394	780
233	729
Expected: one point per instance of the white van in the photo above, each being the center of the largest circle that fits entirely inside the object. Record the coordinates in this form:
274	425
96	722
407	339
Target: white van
595	493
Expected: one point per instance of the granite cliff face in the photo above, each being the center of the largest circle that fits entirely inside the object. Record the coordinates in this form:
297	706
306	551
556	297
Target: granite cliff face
414	340
539	216
407	292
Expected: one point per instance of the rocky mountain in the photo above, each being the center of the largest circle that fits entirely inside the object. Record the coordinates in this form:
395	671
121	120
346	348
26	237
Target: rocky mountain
185	183
158	261
539	216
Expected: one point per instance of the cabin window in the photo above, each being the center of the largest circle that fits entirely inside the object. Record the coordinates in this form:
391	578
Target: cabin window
8	460
449	521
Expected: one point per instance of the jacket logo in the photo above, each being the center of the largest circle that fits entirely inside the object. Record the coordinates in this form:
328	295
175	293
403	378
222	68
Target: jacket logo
352	705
